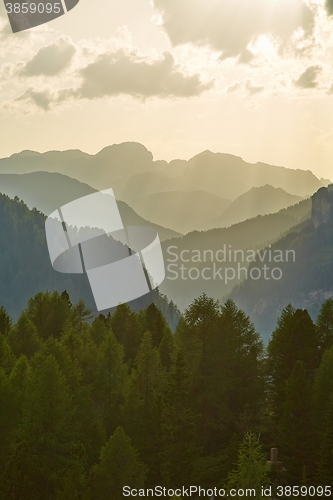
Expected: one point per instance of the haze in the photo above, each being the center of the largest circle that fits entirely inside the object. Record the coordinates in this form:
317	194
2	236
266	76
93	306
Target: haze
247	77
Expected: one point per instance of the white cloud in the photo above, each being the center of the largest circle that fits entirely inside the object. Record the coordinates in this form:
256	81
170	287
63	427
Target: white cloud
230	26
122	71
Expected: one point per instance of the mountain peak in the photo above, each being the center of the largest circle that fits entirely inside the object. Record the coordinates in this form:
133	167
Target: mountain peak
126	149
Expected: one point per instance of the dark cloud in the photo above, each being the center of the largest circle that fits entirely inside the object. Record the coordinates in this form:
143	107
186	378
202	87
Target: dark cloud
308	79
50	60
121	73
329	7
229	26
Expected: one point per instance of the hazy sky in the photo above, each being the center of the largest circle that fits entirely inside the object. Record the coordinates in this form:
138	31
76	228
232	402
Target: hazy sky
248	77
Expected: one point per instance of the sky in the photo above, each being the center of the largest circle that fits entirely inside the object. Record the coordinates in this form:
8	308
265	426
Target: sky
252	78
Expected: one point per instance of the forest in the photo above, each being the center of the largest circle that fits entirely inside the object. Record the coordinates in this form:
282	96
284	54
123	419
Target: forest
90	405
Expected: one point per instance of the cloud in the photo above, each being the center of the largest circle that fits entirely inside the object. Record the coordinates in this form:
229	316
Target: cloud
51	59
308	79
247	86
109	74
42	99
118	72
231	26
329	7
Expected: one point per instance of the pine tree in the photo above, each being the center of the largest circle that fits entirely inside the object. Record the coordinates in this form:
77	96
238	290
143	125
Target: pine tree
5	321
323	387
7	358
23	337
325	462
80	316
119	466
251	471
112	382
296	426
325	324
125	326
155	323
144	406
41	456
295	338
7	417
73	482
178	429
49	313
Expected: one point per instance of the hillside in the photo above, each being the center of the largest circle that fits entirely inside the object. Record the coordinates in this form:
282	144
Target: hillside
306	280
25	266
252	234
181	211
257	201
47	191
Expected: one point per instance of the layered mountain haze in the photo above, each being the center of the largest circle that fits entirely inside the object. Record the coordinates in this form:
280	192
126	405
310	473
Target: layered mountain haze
250	207
224	175
48	191
307	280
181	211
26	270
202	249
257	201
230	176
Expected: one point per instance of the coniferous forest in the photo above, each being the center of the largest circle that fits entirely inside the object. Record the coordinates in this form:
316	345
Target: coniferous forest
89	406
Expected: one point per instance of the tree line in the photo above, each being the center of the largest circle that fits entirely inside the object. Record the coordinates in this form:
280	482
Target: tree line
89	405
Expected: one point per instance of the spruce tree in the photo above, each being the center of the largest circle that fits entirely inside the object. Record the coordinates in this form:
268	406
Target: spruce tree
295	338
23	337
324	474
5	321
325	324
112	387
119	466
143	411
41	455
296	426
179	426
125	326
251	471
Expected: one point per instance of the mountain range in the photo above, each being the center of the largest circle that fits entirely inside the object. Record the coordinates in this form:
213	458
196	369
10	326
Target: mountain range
252	234
261	200
120	166
306	281
48	191
25	266
207	197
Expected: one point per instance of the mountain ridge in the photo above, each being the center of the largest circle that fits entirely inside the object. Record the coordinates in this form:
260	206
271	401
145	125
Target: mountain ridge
223	174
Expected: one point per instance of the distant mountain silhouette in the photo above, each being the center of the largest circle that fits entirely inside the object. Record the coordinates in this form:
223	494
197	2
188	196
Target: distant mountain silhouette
150	183
257	201
224	175
307	282
47	191
253	234
25	266
182	211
